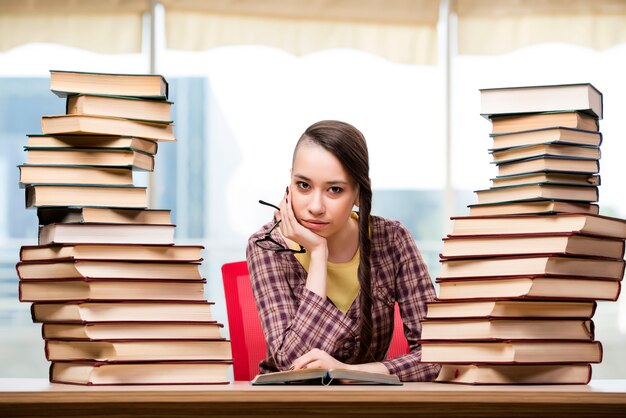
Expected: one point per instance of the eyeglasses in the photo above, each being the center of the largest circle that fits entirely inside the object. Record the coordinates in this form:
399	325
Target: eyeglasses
269	243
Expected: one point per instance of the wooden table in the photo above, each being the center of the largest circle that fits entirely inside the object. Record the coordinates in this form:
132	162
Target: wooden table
37	397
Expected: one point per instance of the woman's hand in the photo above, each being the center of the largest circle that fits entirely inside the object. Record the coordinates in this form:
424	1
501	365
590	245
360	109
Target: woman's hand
317	358
292	229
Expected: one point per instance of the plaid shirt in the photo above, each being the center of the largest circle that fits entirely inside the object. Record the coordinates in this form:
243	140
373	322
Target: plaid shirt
296	320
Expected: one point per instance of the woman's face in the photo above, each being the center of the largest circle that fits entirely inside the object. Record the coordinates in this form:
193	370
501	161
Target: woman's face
322	192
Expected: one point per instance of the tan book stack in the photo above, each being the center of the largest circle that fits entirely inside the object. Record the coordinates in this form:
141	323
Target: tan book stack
521	275
119	302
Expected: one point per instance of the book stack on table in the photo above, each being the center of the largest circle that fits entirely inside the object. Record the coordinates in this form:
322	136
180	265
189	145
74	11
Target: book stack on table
120	303
521	274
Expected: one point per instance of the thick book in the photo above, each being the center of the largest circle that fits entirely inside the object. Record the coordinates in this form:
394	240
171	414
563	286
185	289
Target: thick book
511	309
67	83
75	174
50	215
138	350
561	135
528	287
120	107
538	191
136	330
77	290
567	165
325	377
507	329
100	373
582	97
515	374
537	207
135	252
92	141
530	265
38	195
105	125
103	157
107	269
106	233
523	352
564	243
83	312
546	177
528	224
510	124
546	149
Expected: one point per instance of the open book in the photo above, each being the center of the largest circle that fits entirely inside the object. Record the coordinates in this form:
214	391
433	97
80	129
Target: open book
326	377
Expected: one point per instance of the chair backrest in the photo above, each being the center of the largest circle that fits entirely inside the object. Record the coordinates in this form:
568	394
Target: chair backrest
246	334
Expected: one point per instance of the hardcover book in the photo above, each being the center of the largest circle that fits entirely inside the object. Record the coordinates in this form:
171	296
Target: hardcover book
325	377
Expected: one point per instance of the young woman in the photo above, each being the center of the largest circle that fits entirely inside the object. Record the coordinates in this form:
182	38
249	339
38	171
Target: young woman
326	278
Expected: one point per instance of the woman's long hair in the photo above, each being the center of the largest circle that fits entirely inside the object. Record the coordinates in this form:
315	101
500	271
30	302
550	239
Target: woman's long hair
348	145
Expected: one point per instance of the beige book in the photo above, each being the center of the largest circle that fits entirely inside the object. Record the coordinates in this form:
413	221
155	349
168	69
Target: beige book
49	215
85	195
549	164
94	157
515	374
133	330
511	308
92	141
549	120
65	83
546	177
137	252
76	174
103	233
533	207
120	107
519	136
537	191
518	153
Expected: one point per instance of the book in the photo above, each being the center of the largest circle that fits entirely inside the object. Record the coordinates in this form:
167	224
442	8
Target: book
510	309
567	126
154	373
83	312
528	287
38	195
74	290
546	149
507	329
107	269
520	137
92	141
50	215
582	97
120	107
107	157
138	350
546	177
545	207
515	374
75	174
523	265
136	252
101	125
106	233
65	83
136	330
523	352
533	164
325	377
528	224
537	191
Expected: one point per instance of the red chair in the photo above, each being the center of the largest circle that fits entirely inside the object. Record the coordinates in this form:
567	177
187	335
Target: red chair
246	334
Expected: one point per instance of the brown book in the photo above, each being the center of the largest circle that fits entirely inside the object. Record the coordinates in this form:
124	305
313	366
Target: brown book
507	329
75	174
92	141
104	157
325	377
528	287
511	309
530	135
547	149
538	207
50	215
104	233
503	352
515	374
138	350
73	290
120	107
155	373
66	83
85	195
107	269
529	224
546	177
565	243
83	312
136	252
136	330
101	125
530	165
510	124
537	191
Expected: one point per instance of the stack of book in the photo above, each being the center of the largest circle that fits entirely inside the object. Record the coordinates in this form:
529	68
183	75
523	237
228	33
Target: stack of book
120	303
521	275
